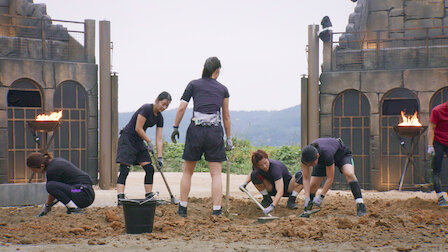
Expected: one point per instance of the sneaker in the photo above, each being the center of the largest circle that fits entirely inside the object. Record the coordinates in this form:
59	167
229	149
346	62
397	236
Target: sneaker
74	210
442	202
267	201
182	211
120	197
361	209
149	195
217	212
292	203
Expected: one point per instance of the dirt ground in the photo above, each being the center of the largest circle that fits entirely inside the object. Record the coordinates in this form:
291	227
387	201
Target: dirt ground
401	221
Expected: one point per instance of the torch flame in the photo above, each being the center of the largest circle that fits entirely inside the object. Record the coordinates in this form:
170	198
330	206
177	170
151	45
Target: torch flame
55	116
409	120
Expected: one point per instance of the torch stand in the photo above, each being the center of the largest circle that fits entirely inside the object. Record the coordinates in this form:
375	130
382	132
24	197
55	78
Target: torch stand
44	127
414	134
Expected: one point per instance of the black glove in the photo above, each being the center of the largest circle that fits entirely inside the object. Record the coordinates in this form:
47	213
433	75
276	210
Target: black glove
229	144
150	147
174	134
44	212
160	162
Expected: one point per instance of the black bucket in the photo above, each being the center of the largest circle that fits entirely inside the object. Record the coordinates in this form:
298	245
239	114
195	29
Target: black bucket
138	215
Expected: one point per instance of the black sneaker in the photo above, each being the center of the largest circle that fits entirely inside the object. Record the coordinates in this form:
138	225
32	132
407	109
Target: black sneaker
442	202
361	209
292	203
267	201
74	210
182	211
217	212
119	197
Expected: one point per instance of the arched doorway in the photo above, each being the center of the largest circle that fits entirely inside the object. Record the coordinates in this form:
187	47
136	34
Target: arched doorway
70	141
393	157
439	97
351	122
24	103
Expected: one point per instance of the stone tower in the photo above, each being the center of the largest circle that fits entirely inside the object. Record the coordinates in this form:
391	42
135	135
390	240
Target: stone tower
45	67
393	56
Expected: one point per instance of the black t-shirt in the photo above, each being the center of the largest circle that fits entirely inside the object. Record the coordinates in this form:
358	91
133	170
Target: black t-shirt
207	94
277	170
329	150
64	171
147	112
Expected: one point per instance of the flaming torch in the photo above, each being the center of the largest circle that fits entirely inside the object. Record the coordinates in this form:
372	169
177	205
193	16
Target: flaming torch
45	124
409	127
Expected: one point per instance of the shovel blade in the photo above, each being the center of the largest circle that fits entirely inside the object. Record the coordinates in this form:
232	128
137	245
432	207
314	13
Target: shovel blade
265	219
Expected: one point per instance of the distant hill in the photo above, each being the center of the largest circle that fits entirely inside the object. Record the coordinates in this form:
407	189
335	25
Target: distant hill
270	128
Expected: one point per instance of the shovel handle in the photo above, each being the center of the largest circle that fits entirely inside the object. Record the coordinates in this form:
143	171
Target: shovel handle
253	198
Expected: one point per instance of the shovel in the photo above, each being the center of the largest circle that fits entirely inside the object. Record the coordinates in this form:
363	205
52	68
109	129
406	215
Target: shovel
173	200
263	219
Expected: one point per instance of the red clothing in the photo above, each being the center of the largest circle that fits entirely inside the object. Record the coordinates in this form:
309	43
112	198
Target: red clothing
439	116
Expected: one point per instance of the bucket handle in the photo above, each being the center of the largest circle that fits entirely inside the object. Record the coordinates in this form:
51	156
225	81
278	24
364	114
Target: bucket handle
149	199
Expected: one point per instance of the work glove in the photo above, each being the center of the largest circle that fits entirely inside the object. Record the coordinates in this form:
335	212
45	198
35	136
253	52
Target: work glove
160	162
44	212
269	209
243	186
229	144
430	149
174	134
307	208
318	200
150	147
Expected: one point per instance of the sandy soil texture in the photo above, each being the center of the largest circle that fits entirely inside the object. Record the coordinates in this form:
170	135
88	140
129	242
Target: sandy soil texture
413	223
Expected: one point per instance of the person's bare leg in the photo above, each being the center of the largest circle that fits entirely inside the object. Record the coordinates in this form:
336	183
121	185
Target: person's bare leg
315	183
215	173
185	182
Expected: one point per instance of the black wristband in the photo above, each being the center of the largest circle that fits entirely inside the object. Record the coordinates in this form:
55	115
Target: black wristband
175	127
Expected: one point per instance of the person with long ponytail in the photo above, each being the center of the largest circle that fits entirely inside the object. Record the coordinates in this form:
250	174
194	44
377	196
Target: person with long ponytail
322	155
65	182
132	149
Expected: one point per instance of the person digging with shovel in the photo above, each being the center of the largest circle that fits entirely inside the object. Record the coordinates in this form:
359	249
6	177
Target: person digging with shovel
132	149
322	155
272	178
65	183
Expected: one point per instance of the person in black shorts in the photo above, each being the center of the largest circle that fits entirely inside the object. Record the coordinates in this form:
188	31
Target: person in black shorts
65	183
205	134
272	178
131	144
322	155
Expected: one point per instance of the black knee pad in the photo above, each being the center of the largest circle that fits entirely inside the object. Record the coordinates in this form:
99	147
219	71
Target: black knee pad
356	189
124	172
149	170
298	176
256	178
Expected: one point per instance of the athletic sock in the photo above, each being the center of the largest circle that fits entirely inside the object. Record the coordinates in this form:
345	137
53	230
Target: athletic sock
264	192
439	194
216	207
359	200
183	203
71	204
294	193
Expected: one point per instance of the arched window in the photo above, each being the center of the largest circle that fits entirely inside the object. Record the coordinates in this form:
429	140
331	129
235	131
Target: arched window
351	122
24	103
70	140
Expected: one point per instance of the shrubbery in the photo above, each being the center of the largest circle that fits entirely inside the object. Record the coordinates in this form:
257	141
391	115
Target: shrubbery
239	157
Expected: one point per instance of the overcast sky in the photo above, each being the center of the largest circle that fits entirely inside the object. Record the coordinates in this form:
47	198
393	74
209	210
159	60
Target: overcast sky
161	45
